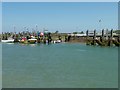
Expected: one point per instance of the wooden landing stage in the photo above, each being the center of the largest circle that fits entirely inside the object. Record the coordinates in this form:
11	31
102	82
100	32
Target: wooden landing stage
103	40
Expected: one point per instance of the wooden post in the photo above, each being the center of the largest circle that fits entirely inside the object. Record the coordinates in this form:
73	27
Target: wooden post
94	33
110	38
103	33
87	33
94	37
87	38
102	38
118	40
111	33
111	43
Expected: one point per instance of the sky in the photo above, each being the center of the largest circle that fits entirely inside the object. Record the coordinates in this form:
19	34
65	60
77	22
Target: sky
0	17
61	16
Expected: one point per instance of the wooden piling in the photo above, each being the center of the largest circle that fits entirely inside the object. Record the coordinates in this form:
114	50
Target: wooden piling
102	32
87	38
102	37
110	43
111	33
94	38
105	40
119	39
87	33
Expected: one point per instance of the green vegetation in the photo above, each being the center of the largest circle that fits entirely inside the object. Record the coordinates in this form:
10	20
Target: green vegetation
117	31
78	32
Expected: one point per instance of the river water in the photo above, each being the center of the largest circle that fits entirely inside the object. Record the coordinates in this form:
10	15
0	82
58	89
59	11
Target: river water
62	65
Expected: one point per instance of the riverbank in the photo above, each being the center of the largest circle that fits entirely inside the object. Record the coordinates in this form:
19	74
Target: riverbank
109	39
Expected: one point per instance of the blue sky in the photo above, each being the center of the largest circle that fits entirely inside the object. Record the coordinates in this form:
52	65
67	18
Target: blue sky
0	17
64	17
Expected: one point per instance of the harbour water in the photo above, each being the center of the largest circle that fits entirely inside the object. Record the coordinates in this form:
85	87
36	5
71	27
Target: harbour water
62	65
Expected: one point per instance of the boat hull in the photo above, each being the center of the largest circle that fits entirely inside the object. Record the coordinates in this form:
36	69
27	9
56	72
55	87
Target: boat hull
32	41
7	41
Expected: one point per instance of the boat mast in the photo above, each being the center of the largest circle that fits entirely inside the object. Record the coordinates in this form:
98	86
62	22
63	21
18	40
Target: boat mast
14	31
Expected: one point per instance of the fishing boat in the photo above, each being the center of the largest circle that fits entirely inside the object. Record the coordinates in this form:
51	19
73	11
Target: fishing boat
23	40
32	40
10	40
57	41
7	41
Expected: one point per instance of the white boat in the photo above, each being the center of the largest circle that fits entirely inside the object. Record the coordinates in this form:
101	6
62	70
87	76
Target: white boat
8	41
57	41
32	40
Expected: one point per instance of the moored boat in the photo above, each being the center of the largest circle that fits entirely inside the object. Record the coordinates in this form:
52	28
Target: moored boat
32	40
57	41
23	40
10	40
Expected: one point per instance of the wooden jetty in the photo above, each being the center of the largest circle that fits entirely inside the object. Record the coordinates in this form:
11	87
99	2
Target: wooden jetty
103	40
